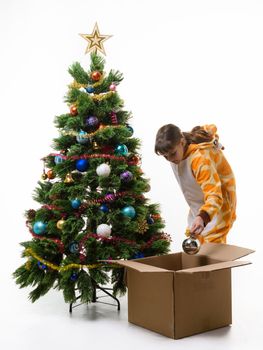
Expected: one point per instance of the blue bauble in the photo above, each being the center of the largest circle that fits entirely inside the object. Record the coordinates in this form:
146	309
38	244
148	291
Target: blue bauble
58	159
82	164
41	266
104	208
39	227
81	137
74	247
121	150
150	220
75	203
129	128
90	89
74	276
138	255
129	211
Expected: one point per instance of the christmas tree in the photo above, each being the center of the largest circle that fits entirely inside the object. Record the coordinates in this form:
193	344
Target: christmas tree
93	206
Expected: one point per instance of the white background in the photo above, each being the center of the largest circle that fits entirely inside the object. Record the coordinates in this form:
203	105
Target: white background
185	62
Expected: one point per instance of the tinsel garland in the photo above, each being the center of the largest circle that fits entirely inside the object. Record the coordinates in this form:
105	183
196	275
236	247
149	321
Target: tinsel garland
86	156
30	252
76	85
91	134
163	236
103	239
51	207
91	156
111	197
108	198
100	97
96	97
114	240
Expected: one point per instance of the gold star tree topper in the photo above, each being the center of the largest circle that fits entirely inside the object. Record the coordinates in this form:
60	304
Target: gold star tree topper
95	40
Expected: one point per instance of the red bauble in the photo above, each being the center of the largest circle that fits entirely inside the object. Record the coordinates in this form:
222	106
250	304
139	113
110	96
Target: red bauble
96	75
73	110
51	174
135	160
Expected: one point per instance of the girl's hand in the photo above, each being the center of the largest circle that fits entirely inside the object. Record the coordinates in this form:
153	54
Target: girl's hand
198	226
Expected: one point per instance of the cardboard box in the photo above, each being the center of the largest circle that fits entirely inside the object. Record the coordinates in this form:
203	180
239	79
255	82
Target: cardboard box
179	295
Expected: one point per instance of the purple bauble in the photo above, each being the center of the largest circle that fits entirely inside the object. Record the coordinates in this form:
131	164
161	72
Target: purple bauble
109	197
92	121
126	176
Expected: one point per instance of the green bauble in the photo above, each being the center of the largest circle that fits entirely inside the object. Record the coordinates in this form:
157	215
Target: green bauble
129	211
121	150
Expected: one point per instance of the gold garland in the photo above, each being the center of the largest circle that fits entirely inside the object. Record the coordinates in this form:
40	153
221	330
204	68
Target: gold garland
75	133
28	264
29	252
76	85
99	97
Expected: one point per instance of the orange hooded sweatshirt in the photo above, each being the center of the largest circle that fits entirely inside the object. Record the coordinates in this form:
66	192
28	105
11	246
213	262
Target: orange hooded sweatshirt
208	185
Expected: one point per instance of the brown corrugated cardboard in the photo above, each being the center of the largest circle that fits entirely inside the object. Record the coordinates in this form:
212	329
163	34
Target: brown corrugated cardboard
179	295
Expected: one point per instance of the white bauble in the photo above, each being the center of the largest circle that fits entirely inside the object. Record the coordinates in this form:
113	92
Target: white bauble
103	170
103	230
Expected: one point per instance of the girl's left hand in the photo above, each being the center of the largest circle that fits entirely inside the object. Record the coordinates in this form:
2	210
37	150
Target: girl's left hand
198	226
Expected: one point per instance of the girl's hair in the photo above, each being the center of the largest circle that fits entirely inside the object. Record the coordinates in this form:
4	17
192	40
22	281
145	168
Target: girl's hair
170	135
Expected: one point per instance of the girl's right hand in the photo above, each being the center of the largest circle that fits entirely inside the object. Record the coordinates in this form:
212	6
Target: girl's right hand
197	226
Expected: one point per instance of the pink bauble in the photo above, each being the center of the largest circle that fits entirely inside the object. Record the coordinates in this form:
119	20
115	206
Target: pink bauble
112	87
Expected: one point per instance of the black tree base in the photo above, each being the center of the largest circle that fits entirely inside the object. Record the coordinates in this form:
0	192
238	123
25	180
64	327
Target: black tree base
95	297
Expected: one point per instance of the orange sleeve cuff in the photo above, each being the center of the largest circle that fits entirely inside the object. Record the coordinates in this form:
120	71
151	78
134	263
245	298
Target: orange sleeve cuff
205	216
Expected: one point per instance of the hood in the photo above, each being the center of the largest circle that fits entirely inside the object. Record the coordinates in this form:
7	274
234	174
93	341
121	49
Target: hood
211	129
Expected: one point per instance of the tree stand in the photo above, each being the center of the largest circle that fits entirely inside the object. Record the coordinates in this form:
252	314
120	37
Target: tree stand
95	298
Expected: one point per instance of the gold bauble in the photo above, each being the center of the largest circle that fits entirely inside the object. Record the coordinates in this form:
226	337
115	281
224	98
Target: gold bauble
44	176
60	224
147	188
95	145
68	178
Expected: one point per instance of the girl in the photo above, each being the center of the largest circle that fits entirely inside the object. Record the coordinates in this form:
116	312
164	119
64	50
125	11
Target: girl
205	177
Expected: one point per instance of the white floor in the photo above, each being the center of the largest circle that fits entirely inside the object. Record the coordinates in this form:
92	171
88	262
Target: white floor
47	323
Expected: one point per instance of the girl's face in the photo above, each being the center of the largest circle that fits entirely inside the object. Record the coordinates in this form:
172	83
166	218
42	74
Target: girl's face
176	154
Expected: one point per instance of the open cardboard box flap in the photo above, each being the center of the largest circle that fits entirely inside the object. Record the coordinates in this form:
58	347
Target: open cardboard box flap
138	266
223	252
214	267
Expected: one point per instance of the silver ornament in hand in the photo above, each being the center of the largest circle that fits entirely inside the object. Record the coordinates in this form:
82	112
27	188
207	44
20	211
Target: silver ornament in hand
191	245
